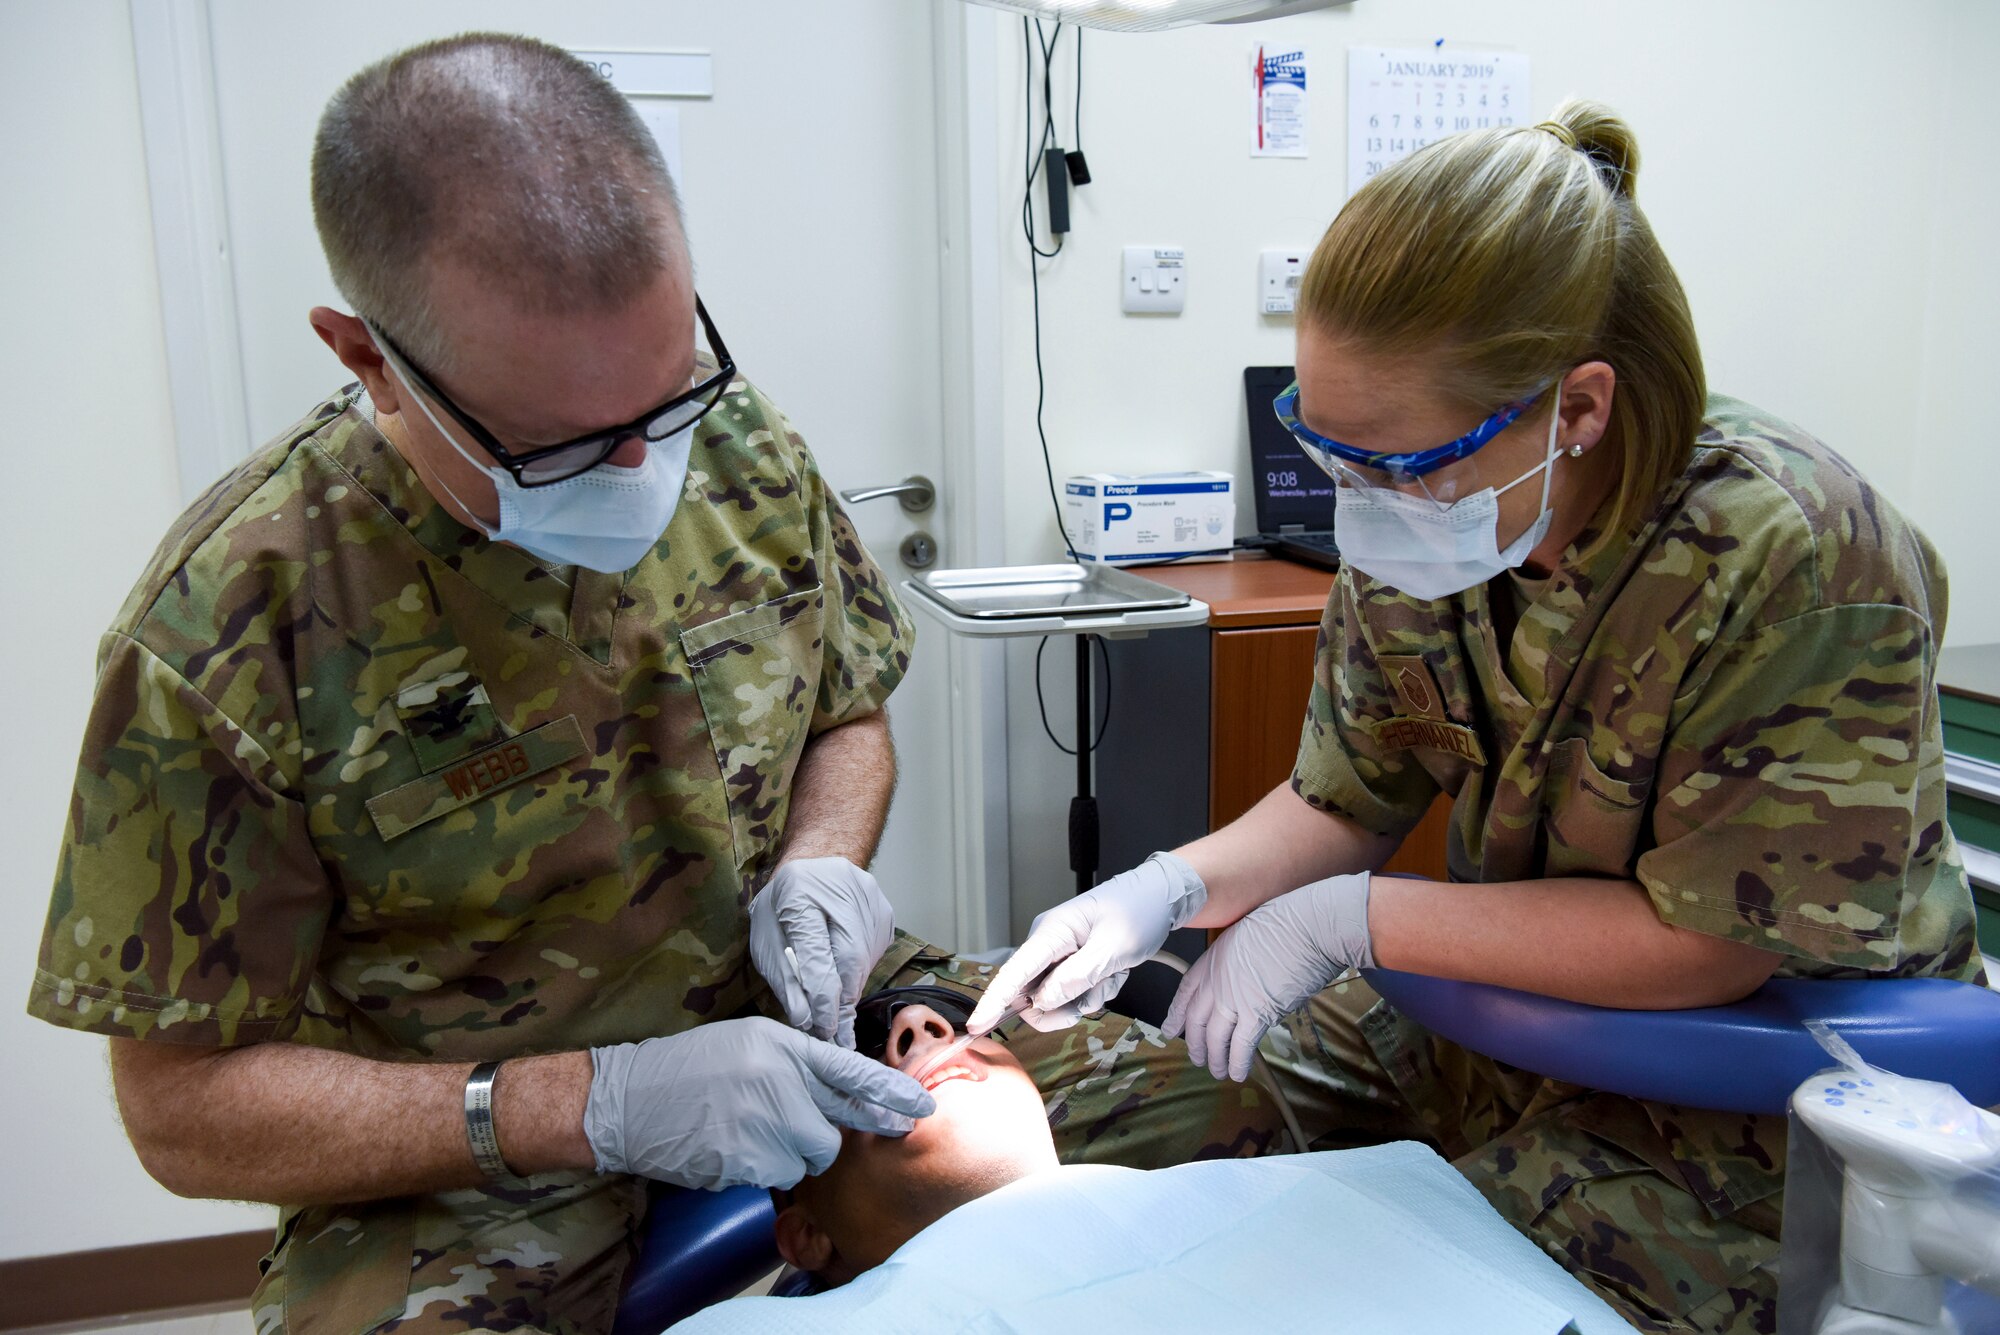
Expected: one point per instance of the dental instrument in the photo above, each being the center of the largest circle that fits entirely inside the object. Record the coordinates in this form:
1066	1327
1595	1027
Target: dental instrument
937	1060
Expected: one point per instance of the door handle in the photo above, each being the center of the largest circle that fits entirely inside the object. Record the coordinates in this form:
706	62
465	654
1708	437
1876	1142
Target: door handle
914	493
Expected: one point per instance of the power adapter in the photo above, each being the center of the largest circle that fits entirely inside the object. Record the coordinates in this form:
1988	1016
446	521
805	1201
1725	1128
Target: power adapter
1055	169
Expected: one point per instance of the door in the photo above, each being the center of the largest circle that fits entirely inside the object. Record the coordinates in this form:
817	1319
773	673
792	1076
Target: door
810	184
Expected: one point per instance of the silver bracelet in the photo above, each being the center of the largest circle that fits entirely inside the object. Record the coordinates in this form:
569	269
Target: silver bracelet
479	1122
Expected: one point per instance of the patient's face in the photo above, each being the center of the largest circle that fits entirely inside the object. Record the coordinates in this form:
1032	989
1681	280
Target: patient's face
990	1128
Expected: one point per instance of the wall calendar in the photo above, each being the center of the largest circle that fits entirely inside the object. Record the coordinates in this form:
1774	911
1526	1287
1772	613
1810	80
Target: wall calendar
1399	99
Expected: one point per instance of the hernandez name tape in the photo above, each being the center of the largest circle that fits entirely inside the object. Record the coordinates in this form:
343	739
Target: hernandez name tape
1125	519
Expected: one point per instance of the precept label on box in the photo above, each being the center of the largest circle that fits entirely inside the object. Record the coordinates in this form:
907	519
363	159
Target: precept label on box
1121	519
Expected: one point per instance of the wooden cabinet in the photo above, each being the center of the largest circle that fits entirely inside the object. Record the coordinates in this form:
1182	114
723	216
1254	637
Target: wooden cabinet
1205	722
1259	683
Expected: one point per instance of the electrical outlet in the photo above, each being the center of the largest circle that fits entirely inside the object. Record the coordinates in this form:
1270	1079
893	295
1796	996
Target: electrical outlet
1278	275
1154	280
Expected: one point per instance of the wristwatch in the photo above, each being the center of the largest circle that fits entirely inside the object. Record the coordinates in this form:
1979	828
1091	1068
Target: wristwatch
479	1122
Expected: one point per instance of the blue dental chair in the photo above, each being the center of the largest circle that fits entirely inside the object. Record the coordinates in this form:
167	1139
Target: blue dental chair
1746	1057
700	1247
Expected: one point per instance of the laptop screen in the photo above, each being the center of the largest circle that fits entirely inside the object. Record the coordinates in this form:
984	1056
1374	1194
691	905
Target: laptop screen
1292	491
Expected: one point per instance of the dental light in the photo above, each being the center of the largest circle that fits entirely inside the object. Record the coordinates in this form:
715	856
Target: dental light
1153	15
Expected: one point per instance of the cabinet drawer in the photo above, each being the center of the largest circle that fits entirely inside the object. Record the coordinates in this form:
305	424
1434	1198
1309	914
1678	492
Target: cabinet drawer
1982	868
1972	803
1259	684
1971	727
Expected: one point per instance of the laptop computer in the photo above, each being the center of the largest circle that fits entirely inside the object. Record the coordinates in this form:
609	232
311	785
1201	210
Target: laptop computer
1294	495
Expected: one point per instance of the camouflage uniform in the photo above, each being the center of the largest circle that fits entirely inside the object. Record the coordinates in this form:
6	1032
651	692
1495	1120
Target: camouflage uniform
358	778
1736	709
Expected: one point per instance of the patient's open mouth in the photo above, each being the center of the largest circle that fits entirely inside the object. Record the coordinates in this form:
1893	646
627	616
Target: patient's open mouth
953	1071
948	1063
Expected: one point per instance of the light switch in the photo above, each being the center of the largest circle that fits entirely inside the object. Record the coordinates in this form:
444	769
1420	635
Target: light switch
1153	280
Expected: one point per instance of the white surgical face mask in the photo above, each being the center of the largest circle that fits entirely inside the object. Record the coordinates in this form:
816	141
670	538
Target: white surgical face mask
605	519
1428	552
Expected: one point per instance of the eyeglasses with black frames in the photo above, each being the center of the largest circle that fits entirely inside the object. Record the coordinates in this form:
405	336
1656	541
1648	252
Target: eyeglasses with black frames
548	464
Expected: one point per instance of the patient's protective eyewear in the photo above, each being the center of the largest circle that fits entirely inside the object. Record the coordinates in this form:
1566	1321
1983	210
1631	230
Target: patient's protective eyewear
875	1014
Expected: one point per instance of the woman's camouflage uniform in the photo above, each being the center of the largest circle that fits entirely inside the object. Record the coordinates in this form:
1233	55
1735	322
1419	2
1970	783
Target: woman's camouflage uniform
1736	709
358	778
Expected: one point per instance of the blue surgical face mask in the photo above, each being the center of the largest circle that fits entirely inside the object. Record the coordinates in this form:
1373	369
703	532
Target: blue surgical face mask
606	519
1428	551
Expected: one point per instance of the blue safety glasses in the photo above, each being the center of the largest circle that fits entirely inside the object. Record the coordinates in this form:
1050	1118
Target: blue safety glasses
1396	467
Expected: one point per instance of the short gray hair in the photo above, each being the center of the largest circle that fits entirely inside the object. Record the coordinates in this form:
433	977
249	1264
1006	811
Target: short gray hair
501	153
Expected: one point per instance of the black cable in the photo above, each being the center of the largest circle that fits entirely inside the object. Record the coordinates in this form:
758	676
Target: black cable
1043	708
1036	144
1035	252
1076	118
1045	43
1041	397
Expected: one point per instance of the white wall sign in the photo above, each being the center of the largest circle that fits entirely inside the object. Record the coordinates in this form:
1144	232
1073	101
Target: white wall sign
1398	100
654	73
1278	91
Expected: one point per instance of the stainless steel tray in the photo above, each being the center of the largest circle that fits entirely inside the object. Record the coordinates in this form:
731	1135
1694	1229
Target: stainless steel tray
1005	592
1015	601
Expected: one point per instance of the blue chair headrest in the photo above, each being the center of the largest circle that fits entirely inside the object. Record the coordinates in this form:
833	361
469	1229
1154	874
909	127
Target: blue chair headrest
1745	1057
696	1248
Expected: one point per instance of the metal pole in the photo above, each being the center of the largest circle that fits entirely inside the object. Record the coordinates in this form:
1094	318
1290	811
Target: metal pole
1083	807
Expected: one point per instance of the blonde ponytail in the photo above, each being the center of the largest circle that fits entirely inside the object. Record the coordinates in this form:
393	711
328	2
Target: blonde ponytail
1592	129
1507	257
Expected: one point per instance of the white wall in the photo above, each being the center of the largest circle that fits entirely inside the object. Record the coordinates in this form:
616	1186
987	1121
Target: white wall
1956	473
90	488
1816	169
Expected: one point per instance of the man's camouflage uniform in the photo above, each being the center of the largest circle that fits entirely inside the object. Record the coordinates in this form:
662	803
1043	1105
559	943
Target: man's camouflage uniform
358	778
1736	709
